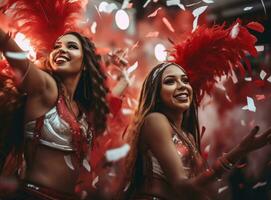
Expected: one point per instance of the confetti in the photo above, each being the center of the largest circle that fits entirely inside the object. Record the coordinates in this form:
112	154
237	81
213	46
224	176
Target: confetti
86	165
269	79
250	105
95	181
17	55
126	187
235	31
260	97
207	148
93	27
263	6
248	8
175	3
117	153
248	79
68	162
153	34
259	48
262	74
154	13
127	111
168	25
132	68
228	98
243	123
147	2
125	4
259	184
208	1
220	190
196	13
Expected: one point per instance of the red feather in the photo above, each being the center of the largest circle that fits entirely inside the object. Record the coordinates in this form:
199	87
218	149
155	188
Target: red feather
255	26
212	52
43	20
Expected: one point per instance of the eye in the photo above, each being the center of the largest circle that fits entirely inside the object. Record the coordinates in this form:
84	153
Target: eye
185	80
72	46
169	81
57	46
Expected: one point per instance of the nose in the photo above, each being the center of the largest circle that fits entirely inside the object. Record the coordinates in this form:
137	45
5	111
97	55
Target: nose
180	85
62	50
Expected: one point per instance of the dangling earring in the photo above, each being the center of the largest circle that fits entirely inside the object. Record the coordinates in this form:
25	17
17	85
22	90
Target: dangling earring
86	85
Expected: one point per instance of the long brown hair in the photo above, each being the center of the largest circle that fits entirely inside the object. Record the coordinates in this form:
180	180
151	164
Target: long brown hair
91	91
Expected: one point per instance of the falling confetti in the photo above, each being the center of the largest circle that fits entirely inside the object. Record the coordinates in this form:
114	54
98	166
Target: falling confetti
93	27
147	2
260	97
86	165
262	74
168	25
95	181
220	190
132	68
196	13
269	79
208	1
125	4
263	6
259	184
175	3
235	31
250	105
154	13
248	8
117	153
248	79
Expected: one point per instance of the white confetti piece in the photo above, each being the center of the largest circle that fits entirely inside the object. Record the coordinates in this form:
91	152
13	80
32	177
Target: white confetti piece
93	27
235	31
132	68
250	105
199	11
17	55
68	162
127	186
146	3
234	77
262	74
269	79
263	6
117	153
222	189
259	184
228	98
153	34
175	3
248	79
125	4
86	165
260	97
243	123
127	111
154	13
207	148
208	1
248	8
95	181
168	25
196	13
259	48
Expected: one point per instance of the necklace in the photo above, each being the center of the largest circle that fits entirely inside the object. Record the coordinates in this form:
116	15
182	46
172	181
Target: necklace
183	135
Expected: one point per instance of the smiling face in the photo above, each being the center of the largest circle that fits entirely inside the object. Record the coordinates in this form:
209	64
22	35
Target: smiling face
176	93
67	55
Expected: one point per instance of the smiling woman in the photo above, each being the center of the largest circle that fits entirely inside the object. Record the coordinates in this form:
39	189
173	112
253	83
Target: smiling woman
64	110
166	140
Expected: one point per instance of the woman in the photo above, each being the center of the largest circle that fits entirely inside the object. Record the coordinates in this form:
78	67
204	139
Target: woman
169	157
64	110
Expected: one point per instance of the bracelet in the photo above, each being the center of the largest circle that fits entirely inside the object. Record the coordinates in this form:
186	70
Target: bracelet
225	163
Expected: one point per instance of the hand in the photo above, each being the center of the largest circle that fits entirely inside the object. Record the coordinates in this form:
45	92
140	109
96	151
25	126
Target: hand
254	141
118	58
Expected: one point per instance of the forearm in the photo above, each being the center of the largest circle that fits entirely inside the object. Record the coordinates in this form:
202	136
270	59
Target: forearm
222	165
7	44
120	87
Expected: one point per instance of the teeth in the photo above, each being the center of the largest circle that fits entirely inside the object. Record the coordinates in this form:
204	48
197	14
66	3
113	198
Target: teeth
61	59
182	96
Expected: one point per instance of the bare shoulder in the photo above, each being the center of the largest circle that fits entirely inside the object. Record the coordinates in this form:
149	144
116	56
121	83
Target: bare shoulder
156	125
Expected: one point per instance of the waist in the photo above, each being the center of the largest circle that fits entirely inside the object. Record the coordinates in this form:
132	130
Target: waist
44	193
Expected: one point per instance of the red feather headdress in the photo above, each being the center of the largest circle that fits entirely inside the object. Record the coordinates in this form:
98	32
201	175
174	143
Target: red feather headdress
212	52
43	21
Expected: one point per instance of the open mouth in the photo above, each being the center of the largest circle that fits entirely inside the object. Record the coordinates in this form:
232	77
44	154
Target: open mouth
60	59
183	96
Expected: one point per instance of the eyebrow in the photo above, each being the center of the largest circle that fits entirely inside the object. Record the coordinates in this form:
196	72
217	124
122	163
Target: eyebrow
174	76
70	42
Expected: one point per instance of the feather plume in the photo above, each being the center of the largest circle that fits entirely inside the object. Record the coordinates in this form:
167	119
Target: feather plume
212	52
43	20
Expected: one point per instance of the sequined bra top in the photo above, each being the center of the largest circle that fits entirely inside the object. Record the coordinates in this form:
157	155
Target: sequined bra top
192	161
55	132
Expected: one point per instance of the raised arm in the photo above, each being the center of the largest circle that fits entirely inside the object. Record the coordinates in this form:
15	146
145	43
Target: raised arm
32	80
